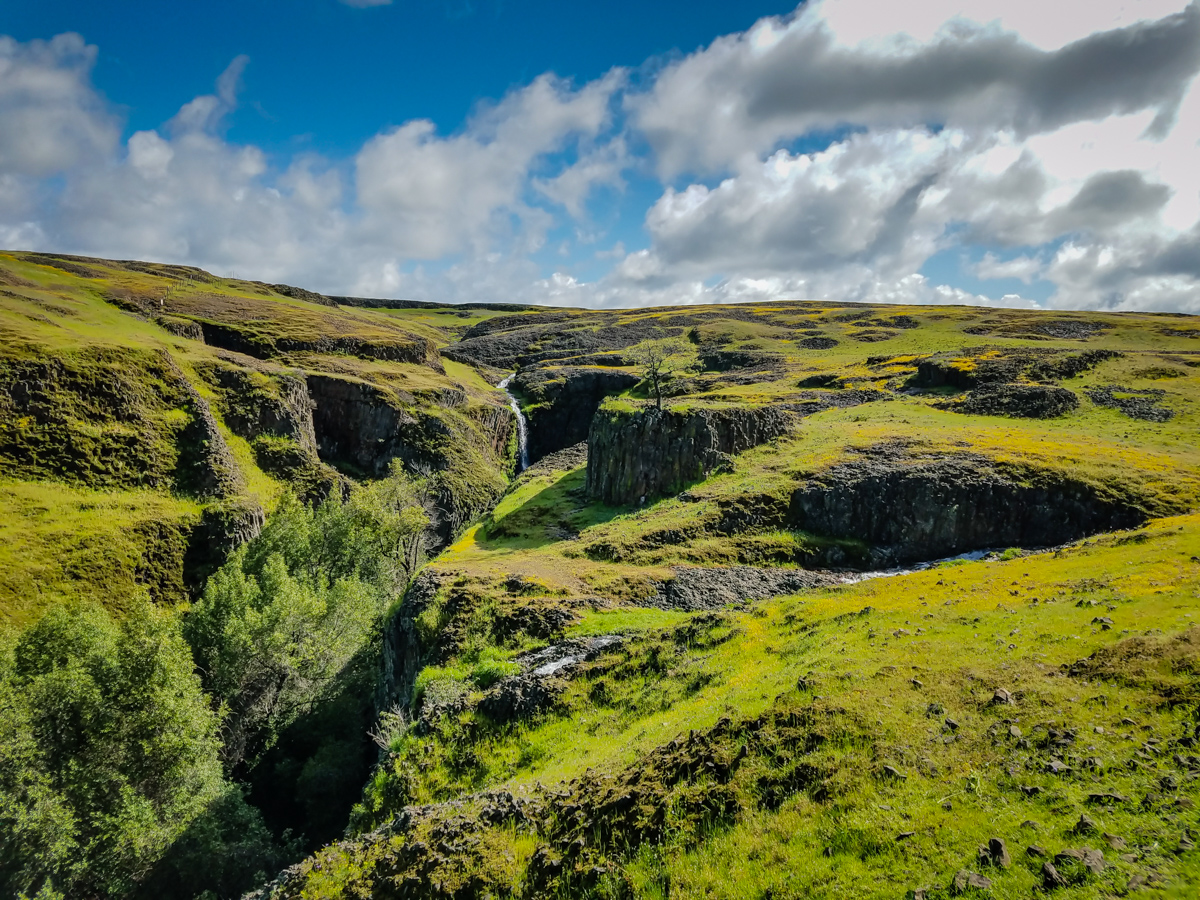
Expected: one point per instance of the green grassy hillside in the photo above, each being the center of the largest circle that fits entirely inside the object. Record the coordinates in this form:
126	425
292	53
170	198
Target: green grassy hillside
883	601
107	368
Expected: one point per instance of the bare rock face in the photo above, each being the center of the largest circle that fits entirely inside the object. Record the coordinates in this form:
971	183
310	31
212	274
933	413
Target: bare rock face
707	588
635	455
360	424
908	509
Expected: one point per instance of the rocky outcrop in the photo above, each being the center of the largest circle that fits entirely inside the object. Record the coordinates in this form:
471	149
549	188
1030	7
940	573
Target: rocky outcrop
417	350
637	454
256	403
969	369
206	464
364	428
403	656
1137	404
708	588
360	424
506	342
223	527
908	509
1022	401
562	402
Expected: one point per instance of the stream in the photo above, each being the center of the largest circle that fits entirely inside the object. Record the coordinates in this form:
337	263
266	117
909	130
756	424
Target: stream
970	556
522	426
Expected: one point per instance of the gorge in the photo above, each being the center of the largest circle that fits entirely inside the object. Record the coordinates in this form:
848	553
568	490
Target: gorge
479	618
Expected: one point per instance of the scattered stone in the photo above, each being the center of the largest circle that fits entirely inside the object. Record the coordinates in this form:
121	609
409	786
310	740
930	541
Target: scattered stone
1014	732
1094	860
1108	798
1057	767
1185	844
905	835
934	709
1114	842
1029	823
1104	622
1002	698
995	853
1036	852
1085	825
917	684
964	879
1050	877
952	725
1030	790
893	772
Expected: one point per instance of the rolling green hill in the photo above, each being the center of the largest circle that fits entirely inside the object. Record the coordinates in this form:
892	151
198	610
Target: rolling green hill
882	601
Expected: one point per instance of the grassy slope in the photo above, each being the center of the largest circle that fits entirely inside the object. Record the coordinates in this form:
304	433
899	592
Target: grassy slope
961	631
101	537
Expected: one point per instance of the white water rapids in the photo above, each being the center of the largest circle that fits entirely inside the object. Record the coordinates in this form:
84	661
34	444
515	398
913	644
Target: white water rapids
522	426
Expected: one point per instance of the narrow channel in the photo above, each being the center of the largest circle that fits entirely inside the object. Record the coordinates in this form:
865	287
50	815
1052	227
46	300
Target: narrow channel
522	426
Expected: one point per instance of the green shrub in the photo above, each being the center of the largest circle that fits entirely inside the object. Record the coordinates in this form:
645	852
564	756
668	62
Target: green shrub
109	755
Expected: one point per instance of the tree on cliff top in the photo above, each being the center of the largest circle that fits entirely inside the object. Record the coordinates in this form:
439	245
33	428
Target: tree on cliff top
660	358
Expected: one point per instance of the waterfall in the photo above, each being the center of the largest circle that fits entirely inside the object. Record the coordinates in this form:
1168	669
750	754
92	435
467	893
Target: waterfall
522	428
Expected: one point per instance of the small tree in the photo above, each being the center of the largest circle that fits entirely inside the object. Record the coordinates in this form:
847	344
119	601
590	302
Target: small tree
659	359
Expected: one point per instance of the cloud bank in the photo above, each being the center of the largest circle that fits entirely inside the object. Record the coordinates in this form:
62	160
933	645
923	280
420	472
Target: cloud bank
845	152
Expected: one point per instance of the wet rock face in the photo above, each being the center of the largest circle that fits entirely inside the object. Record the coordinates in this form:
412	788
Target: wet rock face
909	510
648	453
563	402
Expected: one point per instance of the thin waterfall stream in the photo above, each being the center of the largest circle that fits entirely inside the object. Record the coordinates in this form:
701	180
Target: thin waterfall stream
522	426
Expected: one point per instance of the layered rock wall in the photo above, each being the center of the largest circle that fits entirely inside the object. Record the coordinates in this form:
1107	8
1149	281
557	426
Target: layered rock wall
644	453
919	509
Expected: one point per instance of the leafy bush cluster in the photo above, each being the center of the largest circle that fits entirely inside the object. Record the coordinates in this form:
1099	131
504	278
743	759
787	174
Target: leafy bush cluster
109	757
134	754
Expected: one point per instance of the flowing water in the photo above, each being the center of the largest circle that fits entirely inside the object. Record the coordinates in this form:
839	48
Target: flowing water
522	426
971	556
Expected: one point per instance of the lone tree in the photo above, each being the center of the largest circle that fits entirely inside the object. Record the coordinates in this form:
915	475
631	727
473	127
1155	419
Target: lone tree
659	359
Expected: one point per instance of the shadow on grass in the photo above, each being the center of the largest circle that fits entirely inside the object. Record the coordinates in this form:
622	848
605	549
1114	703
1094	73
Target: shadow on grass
556	513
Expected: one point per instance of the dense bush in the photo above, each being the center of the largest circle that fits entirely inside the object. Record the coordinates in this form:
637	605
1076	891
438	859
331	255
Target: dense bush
281	620
109	755
120	740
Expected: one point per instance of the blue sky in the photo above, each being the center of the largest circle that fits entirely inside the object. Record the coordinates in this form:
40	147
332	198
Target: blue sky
329	76
949	151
